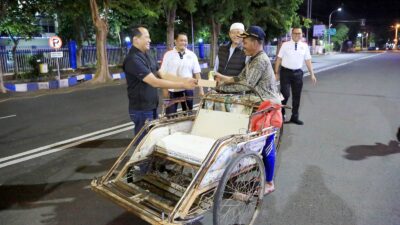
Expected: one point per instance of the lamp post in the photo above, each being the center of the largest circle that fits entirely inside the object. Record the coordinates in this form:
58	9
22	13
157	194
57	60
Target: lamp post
395	36
329	25
360	35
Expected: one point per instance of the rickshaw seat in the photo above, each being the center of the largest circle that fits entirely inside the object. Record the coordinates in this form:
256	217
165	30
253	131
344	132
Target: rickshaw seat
208	126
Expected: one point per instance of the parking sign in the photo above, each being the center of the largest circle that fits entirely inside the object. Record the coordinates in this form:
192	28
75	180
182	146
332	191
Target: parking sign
55	42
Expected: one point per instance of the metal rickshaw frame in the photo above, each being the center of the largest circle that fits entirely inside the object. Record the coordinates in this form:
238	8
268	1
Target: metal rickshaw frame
191	201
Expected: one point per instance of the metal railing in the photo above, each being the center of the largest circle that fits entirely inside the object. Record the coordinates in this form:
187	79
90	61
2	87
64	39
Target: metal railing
115	56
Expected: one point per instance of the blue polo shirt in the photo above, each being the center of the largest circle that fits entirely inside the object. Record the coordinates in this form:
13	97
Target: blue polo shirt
137	65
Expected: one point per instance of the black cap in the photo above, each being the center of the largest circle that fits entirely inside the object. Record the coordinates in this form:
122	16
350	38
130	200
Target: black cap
254	31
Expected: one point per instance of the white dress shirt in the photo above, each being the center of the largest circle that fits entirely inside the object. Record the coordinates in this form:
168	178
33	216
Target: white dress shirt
293	58
185	67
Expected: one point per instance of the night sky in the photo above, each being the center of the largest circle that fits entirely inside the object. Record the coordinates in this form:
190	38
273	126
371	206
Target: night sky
380	15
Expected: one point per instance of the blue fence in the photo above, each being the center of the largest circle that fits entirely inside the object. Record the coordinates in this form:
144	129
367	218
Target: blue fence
115	56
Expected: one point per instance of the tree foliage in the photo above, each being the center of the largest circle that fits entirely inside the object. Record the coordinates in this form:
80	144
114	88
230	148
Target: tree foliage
19	22
275	16
341	35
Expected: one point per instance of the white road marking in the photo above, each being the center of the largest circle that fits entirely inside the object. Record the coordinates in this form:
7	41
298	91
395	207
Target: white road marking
62	145
342	64
53	201
5	117
62	142
12	162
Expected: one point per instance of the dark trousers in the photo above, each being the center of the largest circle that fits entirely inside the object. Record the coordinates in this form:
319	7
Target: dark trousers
189	103
291	79
139	118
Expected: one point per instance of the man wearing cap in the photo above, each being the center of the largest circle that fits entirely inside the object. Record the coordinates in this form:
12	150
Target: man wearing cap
231	58
291	56
258	73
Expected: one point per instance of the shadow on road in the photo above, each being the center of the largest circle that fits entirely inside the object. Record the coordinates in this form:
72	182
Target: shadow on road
106	143
64	203
360	152
127	218
101	166
312	203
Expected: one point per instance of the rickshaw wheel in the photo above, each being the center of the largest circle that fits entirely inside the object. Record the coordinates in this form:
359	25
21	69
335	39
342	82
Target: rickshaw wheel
239	195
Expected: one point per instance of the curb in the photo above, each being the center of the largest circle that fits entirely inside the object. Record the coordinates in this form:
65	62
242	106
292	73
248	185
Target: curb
55	84
63	83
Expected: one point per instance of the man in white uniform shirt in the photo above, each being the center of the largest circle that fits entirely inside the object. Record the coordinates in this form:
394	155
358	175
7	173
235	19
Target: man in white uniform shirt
292	56
184	63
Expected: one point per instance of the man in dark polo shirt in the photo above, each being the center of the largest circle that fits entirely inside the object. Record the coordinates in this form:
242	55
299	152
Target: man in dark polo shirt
143	79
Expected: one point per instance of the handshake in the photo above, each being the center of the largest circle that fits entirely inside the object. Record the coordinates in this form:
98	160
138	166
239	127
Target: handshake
214	79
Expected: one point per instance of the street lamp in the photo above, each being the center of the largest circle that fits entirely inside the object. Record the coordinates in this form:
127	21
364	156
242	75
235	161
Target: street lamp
329	25
395	36
361	36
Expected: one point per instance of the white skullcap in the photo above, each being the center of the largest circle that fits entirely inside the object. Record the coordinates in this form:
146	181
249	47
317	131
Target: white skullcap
239	26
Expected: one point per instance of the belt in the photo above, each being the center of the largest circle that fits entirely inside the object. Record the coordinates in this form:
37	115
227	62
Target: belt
284	68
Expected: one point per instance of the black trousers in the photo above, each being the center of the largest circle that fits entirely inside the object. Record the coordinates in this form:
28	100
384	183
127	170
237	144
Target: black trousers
189	102
291	79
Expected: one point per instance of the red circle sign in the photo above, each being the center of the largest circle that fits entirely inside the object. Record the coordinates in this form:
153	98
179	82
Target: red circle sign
55	42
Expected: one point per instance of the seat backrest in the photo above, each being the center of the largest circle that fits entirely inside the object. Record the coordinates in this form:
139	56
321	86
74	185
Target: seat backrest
216	124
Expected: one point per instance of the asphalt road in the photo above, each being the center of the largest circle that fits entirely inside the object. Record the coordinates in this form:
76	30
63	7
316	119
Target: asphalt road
341	167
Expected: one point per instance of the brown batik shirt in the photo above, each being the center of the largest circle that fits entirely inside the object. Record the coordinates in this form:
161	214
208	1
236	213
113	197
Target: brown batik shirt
257	73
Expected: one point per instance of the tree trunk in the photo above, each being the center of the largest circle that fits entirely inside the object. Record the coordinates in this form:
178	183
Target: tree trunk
171	13
216	29
79	48
79	56
2	88
15	61
102	73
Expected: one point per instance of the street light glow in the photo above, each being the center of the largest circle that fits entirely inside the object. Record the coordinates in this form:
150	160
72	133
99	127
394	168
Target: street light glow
329	24
127	39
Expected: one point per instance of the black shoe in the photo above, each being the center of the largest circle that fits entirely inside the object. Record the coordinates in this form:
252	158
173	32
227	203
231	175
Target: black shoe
296	121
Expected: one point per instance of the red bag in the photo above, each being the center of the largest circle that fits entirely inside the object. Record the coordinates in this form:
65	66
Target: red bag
264	120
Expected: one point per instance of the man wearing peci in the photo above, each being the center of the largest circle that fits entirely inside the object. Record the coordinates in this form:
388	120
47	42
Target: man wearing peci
143	79
291	56
231	58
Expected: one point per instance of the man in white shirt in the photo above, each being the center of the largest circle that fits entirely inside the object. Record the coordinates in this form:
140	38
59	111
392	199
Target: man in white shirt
291	56
184	63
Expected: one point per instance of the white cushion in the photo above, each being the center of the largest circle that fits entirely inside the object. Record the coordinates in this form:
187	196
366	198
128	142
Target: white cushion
217	124
188	147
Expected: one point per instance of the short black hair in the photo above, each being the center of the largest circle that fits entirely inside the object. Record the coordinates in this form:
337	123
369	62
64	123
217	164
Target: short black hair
179	33
297	27
136	31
